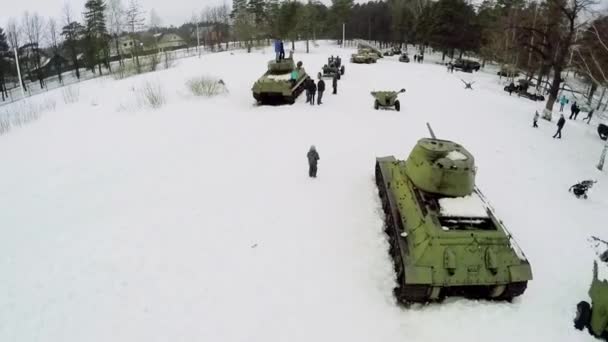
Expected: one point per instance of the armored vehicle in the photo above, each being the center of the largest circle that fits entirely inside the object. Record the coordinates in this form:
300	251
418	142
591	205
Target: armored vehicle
387	99
466	65
594	315
522	90
364	56
333	67
277	85
404	58
444	237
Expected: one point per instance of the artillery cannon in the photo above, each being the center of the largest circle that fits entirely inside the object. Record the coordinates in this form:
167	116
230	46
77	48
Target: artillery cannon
387	99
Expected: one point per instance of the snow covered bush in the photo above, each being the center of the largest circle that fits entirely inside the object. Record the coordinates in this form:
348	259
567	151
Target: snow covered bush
71	94
151	94
23	112
126	69
206	86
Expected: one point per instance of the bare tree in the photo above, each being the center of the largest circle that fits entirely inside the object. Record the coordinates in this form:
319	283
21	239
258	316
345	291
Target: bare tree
33	26
14	37
134	21
71	31
55	40
116	23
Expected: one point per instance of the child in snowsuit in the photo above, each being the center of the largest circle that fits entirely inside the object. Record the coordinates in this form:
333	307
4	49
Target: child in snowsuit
560	124
535	122
313	158
589	115
562	103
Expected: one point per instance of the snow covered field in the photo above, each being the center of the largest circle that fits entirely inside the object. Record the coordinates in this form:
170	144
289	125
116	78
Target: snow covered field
197	221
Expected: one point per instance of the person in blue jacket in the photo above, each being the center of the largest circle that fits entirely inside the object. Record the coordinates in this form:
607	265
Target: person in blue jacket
277	49
281	50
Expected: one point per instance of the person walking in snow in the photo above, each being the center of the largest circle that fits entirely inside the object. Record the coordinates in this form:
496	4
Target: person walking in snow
572	110
320	89
578	110
535	121
313	158
589	115
334	84
562	103
313	91
560	125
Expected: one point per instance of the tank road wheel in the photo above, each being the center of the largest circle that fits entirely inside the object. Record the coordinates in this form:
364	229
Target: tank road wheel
397	105
376	104
583	315
513	290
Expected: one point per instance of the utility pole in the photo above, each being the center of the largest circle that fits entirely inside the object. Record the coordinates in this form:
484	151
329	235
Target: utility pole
198	40
19	73
343	34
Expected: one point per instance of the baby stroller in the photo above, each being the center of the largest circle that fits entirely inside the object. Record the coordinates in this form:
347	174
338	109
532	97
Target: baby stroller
580	189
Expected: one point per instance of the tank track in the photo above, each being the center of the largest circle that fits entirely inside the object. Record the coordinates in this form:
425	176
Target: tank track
404	293
416	293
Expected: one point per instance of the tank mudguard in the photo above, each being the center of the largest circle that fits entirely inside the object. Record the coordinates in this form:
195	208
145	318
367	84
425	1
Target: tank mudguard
521	272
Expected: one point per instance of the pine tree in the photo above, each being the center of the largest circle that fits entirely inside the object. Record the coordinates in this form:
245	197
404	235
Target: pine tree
72	34
96	32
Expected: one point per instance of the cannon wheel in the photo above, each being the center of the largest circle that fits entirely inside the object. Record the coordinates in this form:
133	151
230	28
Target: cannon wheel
583	315
342	70
397	105
602	131
376	104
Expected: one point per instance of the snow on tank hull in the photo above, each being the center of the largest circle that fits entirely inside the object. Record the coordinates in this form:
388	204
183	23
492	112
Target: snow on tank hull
444	237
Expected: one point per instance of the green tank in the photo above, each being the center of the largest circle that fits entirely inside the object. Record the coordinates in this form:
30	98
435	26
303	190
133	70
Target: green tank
364	55
444	237
387	99
276	86
594	316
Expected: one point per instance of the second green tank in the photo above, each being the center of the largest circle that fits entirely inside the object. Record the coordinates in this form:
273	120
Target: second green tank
444	237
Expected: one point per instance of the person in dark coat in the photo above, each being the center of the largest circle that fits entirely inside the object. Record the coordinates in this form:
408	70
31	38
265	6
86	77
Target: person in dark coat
589	115
576	111
313	92
320	89
281	50
334	84
560	124
313	158
572	110
307	88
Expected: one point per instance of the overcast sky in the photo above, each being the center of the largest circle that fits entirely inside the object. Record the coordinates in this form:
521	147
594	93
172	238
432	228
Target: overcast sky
173	12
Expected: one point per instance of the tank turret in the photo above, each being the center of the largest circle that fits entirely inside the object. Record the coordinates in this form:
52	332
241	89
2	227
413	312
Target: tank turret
441	167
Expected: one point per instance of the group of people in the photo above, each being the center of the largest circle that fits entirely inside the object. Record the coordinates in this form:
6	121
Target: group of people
451	69
561	122
418	58
317	89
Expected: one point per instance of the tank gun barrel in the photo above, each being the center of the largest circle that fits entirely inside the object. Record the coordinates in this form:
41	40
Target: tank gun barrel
428	125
